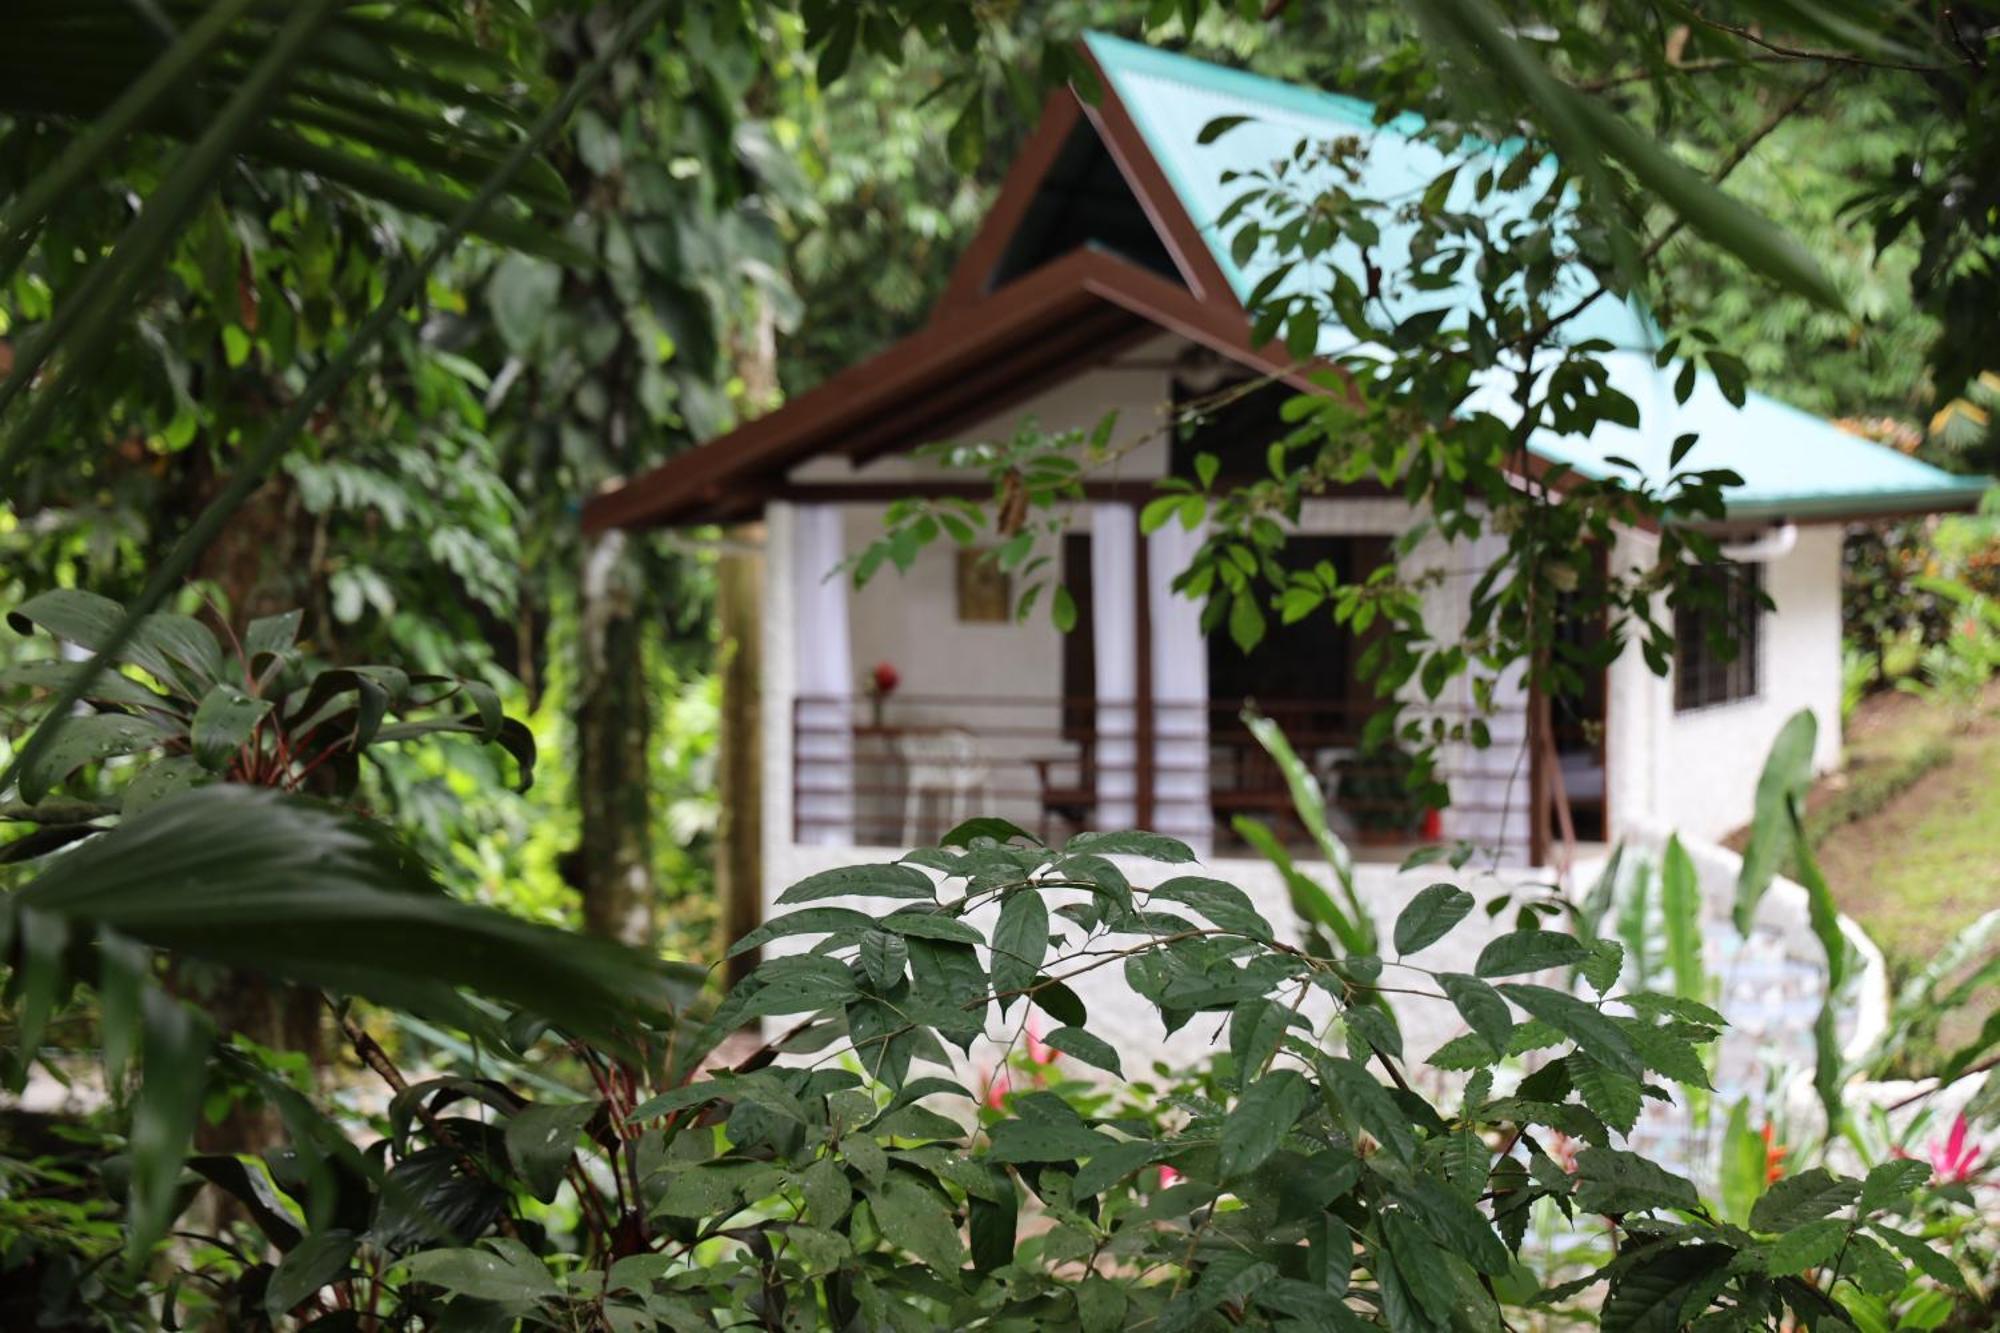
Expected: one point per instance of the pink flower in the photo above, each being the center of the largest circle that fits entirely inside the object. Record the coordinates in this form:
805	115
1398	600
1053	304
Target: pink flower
1169	1177
997	1087
1954	1162
1039	1051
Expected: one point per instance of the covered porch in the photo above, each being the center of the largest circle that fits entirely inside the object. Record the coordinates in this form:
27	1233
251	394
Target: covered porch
1135	718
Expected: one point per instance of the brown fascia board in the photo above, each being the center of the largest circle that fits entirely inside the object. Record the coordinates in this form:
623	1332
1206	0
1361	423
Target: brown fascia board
1142	172
1127	146
684	489
1068	313
1038	155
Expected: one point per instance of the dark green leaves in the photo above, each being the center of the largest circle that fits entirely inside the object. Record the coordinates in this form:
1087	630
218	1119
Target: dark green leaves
1802	1198
1806	1246
1614	1097
892	880
915	1219
1260	1120
1482	1008
1522	951
798	985
1150	846
509	1274
542	1138
1218	127
1256	1029
311	1264
1365	1102
1891	1183
223	723
1020	939
1595	1033
811	921
1085	1046
1045	1139
1224	904
84	740
1430	916
174	1050
1611	1181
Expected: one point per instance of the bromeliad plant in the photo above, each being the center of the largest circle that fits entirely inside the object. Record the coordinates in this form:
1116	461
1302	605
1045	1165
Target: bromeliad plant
254	712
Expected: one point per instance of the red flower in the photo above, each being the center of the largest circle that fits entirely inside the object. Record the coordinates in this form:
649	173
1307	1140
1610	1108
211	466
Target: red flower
997	1089
1774	1155
884	678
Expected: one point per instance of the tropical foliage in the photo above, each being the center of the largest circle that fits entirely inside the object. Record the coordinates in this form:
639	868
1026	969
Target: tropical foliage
340	307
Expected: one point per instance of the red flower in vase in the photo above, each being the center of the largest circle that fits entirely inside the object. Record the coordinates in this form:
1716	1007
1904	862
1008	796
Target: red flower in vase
884	679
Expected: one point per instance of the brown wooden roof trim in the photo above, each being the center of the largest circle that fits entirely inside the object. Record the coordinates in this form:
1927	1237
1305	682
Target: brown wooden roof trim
1038	156
1084	306
1127	146
1142	172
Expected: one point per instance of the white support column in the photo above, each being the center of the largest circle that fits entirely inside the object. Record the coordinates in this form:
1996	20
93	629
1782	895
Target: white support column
1114	583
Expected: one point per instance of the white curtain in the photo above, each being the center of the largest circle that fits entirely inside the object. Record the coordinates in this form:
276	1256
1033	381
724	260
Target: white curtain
1114	583
1490	800
1180	692
824	676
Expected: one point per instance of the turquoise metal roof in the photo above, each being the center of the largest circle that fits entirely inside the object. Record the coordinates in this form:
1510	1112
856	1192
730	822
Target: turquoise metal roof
1792	463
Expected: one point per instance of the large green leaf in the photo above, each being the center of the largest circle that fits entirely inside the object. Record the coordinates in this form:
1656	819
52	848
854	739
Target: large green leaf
1020	940
174	1050
1680	903
1429	917
1260	1121
1594	1033
913	1217
85	740
542	1138
223	724
1786	776
106	687
309	894
1309	802
176	650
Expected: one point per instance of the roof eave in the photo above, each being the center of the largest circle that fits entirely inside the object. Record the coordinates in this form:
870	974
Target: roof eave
1875	505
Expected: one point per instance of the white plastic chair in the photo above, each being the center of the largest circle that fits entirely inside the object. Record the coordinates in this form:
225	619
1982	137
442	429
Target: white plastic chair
946	764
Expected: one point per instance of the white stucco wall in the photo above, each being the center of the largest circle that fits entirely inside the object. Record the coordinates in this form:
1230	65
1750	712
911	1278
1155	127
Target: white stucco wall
1706	761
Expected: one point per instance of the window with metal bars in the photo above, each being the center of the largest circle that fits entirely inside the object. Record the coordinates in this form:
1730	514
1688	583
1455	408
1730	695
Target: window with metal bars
1716	640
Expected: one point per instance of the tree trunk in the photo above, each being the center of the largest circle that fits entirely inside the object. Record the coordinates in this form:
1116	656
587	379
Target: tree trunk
614	733
739	835
260	566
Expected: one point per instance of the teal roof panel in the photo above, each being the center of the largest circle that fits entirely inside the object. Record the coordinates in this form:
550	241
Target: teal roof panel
1792	463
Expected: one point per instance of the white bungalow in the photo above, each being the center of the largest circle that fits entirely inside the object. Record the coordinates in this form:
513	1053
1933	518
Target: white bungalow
1098	283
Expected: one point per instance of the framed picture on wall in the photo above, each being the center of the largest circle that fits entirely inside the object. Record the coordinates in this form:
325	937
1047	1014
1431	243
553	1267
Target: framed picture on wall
985	591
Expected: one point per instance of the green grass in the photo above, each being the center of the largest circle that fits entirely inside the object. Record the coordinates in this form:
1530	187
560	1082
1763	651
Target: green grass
1909	839
1946	870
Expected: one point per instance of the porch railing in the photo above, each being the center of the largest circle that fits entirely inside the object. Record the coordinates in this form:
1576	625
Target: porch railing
901	771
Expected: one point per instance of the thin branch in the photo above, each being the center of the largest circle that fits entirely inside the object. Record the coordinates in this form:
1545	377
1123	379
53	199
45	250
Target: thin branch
1785	52
1711	66
1733	160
